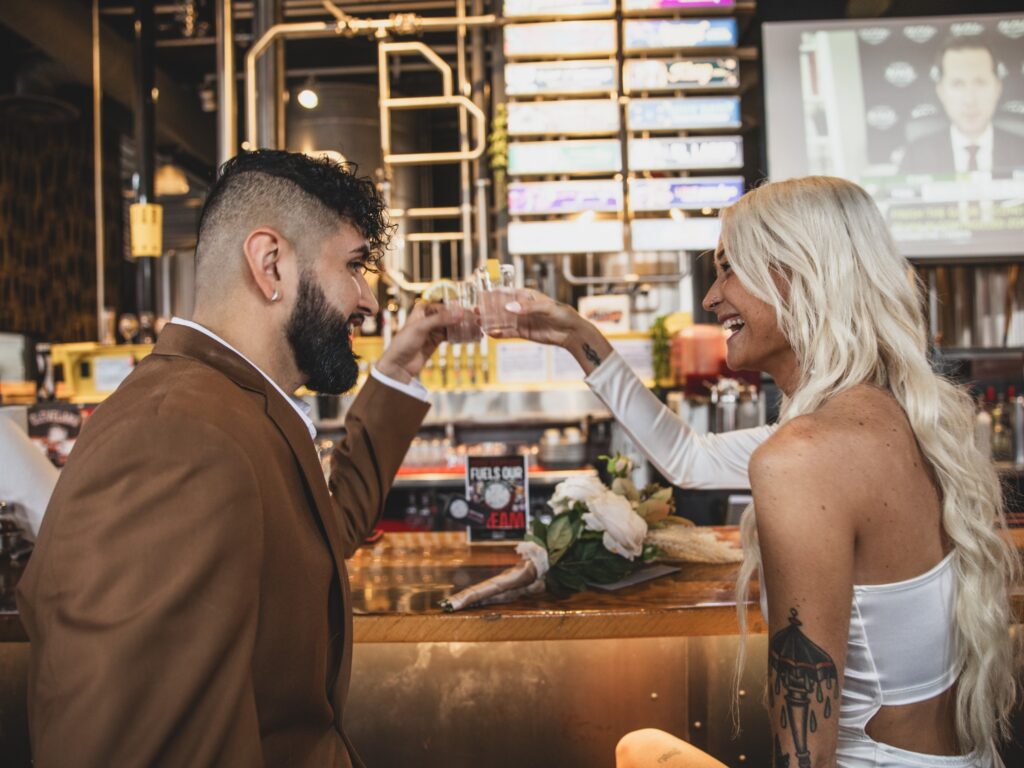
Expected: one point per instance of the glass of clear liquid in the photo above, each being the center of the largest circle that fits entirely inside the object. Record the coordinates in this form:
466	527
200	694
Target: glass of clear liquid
497	287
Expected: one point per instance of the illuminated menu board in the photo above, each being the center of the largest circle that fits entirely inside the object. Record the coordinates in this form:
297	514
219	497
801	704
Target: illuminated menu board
596	236
540	8
575	117
690	113
537	197
693	234
561	38
672	34
677	5
561	78
687	194
677	154
680	74
546	157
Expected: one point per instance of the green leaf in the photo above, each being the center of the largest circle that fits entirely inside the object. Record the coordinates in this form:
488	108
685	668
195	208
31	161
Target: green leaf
561	536
540	532
570	579
535	539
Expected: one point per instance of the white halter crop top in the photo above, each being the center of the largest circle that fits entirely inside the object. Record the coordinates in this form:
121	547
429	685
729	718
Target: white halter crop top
902	646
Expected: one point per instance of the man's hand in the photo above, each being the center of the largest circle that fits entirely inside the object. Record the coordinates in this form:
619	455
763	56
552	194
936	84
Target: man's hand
413	345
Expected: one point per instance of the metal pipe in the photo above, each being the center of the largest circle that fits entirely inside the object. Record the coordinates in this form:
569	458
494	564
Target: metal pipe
426	213
397	23
145	156
465	190
227	132
243	10
97	159
270	78
433	237
476	92
481	221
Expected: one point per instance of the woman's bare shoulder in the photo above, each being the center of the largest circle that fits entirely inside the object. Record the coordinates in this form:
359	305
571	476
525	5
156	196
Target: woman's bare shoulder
829	458
850	427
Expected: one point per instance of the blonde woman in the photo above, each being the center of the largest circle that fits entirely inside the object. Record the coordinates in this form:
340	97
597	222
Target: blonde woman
884	575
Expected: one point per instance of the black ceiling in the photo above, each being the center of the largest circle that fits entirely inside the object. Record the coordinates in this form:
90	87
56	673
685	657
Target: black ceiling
185	49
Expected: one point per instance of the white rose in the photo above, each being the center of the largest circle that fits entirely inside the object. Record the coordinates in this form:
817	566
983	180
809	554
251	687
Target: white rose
624	529
534	552
568	492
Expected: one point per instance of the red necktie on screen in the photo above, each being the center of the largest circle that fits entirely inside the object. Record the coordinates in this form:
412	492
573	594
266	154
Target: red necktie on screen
972	157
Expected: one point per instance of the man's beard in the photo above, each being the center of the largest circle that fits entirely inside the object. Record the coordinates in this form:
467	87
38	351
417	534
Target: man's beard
319	338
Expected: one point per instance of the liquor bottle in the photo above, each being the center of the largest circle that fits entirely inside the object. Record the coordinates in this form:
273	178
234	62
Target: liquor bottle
1002	434
983	429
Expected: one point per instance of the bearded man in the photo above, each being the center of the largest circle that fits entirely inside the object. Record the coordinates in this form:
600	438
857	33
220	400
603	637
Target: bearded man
187	601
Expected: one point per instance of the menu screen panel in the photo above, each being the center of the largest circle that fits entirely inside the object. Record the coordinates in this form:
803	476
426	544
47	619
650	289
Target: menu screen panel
538	197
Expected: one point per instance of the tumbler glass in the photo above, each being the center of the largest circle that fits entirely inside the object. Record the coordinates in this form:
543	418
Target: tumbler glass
497	285
467	329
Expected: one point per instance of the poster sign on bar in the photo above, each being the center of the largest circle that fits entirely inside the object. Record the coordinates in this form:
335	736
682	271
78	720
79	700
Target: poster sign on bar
683	114
497	490
681	74
520	9
677	5
693	234
538	197
676	154
580	236
567	78
673	34
572	117
561	38
685	194
539	158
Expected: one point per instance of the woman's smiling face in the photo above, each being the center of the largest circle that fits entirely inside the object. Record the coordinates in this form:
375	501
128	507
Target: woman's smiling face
756	342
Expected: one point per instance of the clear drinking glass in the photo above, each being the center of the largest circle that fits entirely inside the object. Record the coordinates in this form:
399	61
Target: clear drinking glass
464	297
497	286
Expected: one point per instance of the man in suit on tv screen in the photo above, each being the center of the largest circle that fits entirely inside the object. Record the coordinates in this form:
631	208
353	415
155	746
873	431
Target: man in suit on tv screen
969	84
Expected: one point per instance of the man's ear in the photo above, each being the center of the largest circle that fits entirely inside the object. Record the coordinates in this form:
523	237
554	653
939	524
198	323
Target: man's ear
262	255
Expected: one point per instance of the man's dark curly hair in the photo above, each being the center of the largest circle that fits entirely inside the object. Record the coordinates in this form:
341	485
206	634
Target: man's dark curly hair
254	180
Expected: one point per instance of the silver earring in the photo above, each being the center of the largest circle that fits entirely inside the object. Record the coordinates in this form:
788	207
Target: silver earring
275	296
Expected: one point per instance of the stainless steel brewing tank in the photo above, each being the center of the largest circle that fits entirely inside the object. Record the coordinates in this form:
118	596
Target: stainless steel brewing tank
347	120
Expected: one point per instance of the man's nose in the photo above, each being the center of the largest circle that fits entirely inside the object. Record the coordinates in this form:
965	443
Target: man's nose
368	303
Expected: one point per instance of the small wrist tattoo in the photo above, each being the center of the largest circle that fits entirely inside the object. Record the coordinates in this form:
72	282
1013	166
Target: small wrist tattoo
591	355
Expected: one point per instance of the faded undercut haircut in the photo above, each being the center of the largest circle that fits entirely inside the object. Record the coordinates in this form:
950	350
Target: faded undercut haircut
303	197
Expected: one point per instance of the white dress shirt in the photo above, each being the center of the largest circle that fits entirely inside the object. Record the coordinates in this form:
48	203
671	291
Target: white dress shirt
412	389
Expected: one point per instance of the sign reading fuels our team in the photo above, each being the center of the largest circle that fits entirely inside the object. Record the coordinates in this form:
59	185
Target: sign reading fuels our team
497	489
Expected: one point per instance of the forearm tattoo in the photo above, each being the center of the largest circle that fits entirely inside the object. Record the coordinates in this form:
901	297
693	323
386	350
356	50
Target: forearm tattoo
805	676
591	355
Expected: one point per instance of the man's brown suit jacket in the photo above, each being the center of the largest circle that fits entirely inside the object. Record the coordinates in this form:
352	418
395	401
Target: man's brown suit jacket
187	601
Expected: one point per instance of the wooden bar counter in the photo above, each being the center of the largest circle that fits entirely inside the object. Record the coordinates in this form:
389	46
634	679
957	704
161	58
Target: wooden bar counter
536	682
398	583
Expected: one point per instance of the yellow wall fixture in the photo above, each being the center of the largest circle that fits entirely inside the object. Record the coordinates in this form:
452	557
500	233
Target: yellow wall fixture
147	229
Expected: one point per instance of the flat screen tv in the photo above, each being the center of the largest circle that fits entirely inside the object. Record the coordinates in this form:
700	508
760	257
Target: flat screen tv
927	114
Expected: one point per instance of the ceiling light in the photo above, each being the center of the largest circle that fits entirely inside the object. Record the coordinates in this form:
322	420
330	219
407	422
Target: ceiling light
307	97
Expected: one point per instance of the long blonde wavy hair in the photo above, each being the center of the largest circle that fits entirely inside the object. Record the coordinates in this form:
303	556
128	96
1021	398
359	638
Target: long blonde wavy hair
852	313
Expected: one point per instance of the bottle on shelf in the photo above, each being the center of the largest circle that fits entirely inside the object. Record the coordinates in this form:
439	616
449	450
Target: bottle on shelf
983	425
1002	433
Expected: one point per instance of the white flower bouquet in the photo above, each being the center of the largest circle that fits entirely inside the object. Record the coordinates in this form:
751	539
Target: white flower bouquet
599	535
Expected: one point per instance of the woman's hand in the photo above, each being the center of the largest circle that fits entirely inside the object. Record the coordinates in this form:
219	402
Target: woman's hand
546	321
